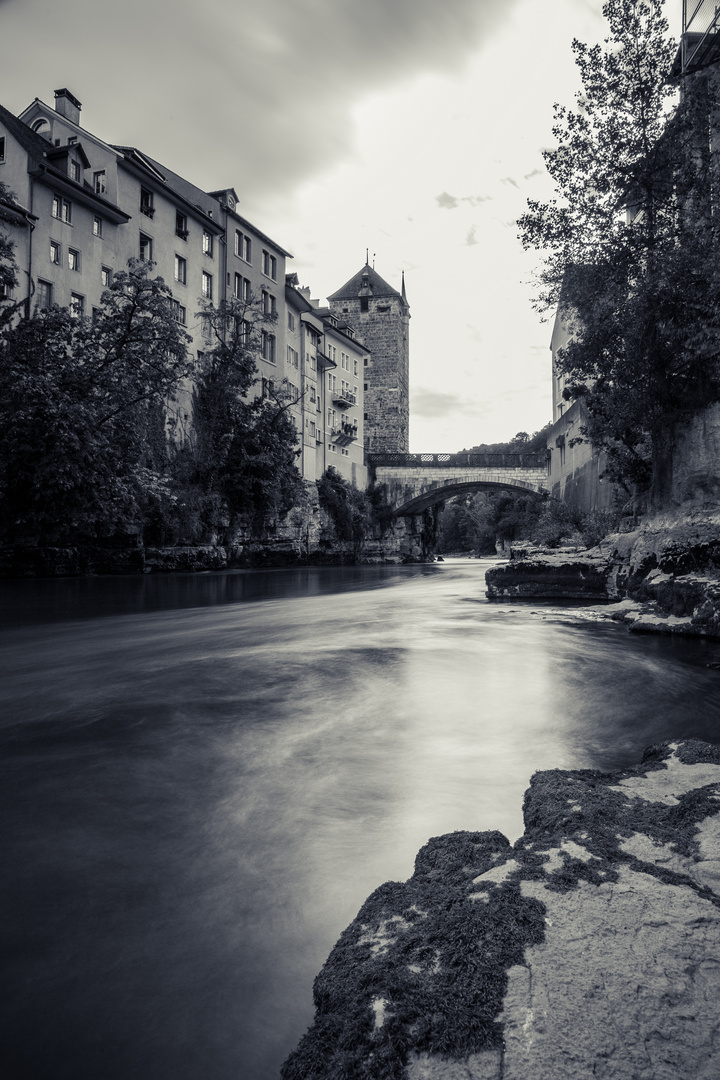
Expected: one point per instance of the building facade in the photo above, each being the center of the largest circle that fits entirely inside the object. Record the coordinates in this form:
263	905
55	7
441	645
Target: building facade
380	315
83	207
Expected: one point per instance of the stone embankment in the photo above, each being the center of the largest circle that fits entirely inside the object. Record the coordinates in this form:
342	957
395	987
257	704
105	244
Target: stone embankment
663	577
589	949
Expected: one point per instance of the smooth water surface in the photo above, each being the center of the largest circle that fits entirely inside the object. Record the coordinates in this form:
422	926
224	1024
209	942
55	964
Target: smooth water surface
199	792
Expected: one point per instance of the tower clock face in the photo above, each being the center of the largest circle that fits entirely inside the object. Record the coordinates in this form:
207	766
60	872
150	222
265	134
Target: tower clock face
231	202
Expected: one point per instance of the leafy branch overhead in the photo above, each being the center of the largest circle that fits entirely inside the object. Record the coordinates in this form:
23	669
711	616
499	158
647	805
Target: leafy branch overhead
630	244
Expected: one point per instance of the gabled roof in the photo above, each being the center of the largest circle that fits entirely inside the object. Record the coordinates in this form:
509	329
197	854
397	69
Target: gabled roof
35	145
366	282
57	153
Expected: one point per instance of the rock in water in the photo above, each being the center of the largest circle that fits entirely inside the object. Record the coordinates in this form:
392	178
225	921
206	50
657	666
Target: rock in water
589	949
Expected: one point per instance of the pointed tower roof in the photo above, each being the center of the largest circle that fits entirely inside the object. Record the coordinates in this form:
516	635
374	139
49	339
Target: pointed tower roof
365	283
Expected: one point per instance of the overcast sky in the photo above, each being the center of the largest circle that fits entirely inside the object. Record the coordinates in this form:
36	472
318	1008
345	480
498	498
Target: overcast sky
409	127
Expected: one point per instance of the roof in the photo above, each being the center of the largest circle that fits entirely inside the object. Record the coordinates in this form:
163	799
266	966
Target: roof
377	286
190	196
28	139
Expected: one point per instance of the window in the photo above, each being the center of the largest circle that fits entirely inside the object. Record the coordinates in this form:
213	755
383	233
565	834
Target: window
179	312
291	321
75	171
313	395
41	126
44	295
268	346
181	228
54	253
243	246
268	387
364	303
355	367
106	276
269	304
292	356
207	243
207	285
181	269
312	363
365	362
312	429
99	182
97	226
147	203
62	209
2	147
73	259
269	265
77	305
206	327
242	288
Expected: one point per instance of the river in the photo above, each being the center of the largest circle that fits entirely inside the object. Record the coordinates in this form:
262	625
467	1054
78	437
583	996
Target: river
205	776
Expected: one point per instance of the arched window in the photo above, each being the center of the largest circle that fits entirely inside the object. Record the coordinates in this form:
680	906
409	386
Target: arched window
41	126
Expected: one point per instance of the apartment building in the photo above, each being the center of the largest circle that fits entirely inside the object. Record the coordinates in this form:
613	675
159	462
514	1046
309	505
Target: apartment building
83	207
324	365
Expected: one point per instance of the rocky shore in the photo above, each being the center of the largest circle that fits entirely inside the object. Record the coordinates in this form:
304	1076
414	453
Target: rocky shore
589	949
663	577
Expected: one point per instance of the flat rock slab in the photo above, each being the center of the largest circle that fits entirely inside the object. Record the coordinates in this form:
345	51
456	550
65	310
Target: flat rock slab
591	948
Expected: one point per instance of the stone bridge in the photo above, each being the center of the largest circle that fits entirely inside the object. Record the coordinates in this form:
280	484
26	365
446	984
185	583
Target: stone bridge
417	481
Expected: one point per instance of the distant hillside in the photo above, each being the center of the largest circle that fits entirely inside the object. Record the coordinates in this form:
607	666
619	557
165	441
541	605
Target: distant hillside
521	444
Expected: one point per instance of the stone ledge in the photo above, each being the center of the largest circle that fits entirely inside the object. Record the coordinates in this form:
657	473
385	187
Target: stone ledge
589	949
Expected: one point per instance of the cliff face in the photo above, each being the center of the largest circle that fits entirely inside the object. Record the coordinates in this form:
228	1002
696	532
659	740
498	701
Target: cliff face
591	948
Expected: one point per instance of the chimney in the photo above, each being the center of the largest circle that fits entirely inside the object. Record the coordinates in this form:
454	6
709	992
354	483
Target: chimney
67	105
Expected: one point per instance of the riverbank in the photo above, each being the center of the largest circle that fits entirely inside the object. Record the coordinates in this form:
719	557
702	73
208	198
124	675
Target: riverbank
663	577
90	560
591	947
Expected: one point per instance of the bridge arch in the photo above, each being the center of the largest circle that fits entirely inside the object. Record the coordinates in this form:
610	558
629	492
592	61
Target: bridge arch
450	488
415	482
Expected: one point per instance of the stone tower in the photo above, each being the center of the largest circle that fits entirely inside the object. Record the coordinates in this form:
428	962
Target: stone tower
380	315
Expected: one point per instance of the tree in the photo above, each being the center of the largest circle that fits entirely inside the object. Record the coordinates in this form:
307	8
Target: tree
8	266
244	450
630	245
83	409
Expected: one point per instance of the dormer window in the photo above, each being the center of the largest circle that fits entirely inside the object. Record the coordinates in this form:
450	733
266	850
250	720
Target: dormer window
181	228
75	171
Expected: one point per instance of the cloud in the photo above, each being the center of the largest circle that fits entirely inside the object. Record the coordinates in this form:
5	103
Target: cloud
470	238
535	172
447	202
257	95
509	180
475	200
427	404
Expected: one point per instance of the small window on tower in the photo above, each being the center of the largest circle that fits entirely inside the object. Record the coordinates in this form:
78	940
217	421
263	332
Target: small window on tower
364	303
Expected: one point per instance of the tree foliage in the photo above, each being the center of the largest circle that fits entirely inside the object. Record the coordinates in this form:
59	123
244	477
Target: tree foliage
630	244
82	400
244	447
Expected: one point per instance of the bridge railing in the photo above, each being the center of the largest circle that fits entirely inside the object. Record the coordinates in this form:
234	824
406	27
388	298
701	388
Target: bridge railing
537	460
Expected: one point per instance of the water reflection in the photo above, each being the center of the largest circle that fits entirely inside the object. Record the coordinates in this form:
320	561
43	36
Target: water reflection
201	797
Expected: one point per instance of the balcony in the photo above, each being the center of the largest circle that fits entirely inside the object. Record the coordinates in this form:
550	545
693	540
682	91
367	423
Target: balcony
345	434
343	398
324	361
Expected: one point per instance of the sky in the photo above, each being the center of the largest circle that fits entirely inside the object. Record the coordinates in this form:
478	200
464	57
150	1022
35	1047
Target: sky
410	129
